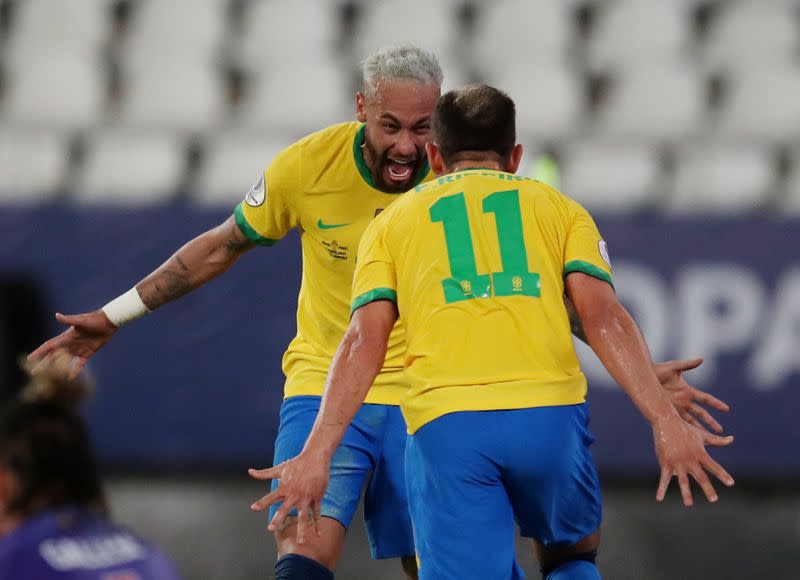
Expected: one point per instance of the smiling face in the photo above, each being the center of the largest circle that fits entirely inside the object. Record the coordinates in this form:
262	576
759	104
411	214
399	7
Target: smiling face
398	126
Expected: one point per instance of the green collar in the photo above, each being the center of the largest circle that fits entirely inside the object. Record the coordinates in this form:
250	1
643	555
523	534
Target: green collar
363	169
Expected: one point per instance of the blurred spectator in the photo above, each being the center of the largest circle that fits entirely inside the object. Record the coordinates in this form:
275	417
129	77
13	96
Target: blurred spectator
54	521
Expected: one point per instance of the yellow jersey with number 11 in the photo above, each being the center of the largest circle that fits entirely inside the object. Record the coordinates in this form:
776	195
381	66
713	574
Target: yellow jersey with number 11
476	261
321	185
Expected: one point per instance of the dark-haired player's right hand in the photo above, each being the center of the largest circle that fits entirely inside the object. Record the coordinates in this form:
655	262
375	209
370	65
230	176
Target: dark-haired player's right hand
680	449
87	333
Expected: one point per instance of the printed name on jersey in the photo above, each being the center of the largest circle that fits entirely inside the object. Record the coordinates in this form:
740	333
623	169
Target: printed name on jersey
257	194
603	247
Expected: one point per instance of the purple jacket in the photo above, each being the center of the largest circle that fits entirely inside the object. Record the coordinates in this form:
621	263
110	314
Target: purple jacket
71	543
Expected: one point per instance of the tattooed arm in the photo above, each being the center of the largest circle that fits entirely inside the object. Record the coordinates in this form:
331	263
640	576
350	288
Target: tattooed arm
200	260
203	258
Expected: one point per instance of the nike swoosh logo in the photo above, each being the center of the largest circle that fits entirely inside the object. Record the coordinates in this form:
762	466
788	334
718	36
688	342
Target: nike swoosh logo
324	226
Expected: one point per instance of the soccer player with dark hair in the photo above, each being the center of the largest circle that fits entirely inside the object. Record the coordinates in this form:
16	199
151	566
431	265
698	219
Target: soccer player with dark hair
475	265
330	185
54	524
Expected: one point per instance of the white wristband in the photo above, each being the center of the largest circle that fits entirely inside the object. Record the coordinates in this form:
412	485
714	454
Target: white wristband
125	308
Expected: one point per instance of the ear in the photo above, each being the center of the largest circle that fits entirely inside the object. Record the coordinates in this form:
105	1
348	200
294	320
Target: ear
435	159
515	159
361	107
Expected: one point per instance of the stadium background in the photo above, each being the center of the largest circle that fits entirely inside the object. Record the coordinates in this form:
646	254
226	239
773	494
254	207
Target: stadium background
128	126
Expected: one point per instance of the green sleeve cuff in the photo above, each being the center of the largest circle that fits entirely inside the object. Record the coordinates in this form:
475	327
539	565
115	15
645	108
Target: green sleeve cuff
372	296
248	230
589	269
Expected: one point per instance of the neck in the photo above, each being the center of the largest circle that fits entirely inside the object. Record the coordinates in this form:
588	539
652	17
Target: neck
477	163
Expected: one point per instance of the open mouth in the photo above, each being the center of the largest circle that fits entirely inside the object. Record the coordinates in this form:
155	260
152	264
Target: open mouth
399	171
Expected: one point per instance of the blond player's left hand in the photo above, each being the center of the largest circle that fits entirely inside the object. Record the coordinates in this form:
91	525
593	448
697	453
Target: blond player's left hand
303	481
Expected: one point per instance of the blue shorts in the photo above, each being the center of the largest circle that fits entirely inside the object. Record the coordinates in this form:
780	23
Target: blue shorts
472	474
374	444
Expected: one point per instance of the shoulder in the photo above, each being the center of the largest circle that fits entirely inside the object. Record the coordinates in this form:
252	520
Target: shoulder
312	152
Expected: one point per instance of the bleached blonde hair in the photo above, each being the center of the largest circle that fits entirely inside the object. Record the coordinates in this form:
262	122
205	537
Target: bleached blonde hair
401	63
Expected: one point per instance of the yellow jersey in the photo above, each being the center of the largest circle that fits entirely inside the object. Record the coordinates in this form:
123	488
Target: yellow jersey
475	261
321	185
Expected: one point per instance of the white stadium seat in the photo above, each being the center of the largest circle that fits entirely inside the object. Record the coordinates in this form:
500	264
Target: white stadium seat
178	31
233	163
611	177
722	179
430	25
130	168
33	165
60	93
270	38
510	33
661	105
640	34
44	28
762	104
549	100
177	98
302	101
751	34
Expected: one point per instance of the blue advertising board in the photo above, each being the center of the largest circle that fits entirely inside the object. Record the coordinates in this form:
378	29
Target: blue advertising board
199	382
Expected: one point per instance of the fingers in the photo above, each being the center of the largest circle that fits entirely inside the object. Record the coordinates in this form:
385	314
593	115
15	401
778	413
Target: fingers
717	470
711	401
280	516
663	484
686	364
273	472
266	501
45	349
705	484
69	319
716	440
705	417
303	513
317	516
686	490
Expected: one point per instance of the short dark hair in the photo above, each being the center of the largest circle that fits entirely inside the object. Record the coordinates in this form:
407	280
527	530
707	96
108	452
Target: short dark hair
474	118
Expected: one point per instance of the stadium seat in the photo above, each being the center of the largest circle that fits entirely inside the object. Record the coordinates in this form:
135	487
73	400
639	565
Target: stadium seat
430	25
59	93
43	28
530	32
752	34
762	104
611	177
722	179
301	101
173	97
270	41
34	165
176	31
639	34
549	100
790	204
130	168
659	104
233	162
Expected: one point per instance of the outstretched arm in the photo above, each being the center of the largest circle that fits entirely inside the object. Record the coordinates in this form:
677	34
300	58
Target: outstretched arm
686	399
358	360
203	258
615	338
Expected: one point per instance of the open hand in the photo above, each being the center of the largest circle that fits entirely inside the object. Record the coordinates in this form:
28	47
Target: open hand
87	333
686	399
680	448
302	484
